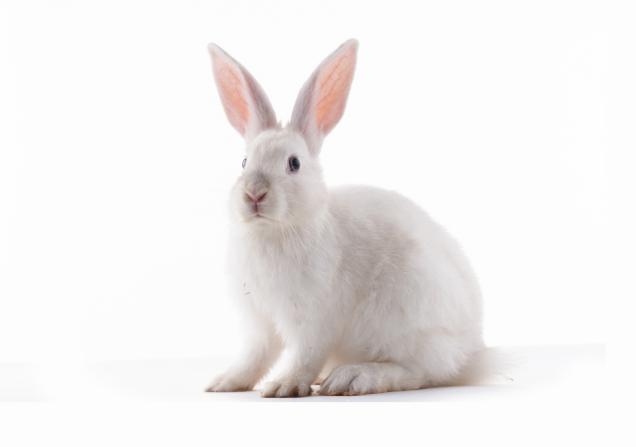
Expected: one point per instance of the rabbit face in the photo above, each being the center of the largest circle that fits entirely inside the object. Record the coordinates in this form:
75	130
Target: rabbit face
281	182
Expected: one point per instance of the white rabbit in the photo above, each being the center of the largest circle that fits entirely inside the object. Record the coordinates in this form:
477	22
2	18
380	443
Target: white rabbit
354	277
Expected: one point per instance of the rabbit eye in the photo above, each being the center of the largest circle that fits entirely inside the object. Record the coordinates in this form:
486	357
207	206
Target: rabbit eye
244	161
294	163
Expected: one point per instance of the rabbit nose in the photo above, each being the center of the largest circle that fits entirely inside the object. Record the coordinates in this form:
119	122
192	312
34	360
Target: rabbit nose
255	198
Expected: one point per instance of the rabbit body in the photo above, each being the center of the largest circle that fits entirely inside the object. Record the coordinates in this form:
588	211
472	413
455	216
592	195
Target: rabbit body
356	281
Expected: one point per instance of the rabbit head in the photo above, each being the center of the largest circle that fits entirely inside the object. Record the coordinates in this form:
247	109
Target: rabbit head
281	182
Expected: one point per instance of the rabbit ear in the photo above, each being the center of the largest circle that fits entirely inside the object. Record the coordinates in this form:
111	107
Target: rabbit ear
244	101
321	101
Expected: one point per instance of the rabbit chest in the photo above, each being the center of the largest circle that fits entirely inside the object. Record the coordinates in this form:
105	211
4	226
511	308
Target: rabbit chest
284	280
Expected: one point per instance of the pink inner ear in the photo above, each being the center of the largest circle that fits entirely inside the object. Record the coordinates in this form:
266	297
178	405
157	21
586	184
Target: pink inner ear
333	82
232	89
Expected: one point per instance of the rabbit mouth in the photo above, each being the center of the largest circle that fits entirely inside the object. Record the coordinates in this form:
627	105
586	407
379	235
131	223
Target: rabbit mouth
259	216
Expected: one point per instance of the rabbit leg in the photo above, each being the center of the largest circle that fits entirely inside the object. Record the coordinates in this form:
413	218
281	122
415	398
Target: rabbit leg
438	363
302	362
262	348
297	378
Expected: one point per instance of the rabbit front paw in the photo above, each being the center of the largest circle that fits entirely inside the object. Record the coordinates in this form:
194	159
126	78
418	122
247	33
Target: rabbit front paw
229	383
286	388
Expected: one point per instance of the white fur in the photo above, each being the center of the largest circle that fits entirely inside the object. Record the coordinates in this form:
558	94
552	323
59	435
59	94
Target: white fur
353	277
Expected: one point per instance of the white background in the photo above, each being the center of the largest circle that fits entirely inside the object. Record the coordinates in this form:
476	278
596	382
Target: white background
116	159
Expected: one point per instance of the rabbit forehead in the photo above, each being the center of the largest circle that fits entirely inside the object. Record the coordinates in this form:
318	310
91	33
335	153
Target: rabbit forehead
275	143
